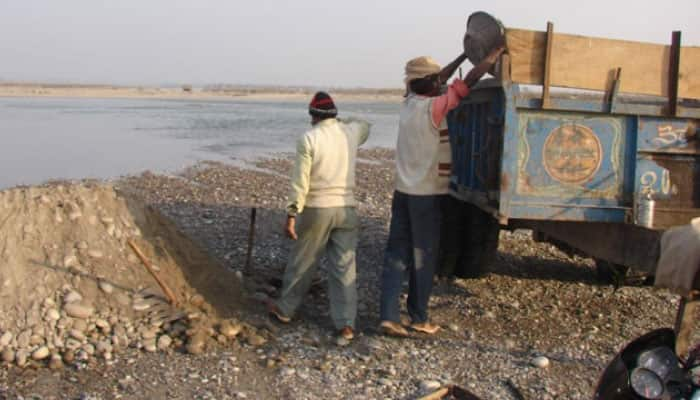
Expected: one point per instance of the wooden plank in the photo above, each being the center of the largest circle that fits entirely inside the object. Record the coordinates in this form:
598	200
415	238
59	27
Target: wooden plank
590	63
547	65
674	65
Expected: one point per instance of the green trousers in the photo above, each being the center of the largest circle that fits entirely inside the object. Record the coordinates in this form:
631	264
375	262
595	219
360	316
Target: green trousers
333	232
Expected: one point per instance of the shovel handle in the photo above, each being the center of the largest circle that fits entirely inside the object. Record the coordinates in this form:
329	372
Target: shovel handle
149	268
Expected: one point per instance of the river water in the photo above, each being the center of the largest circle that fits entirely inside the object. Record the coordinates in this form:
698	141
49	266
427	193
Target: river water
73	138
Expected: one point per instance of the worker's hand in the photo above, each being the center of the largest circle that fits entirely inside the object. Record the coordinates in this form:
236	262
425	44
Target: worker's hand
494	54
289	229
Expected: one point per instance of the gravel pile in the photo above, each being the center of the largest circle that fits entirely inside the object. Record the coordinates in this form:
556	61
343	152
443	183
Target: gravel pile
538	326
74	292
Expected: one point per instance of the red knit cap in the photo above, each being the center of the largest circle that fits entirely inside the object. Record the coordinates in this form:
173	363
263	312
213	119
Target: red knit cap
322	106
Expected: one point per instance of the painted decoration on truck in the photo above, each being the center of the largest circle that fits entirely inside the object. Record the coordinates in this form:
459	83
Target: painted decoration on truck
572	153
570	156
672	136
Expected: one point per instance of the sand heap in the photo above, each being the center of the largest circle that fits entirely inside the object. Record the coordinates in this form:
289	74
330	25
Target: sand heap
72	290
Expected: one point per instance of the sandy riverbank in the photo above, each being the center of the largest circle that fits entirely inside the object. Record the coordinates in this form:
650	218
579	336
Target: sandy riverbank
535	301
268	94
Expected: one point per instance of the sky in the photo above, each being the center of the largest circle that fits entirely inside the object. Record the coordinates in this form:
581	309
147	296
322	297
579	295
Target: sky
358	43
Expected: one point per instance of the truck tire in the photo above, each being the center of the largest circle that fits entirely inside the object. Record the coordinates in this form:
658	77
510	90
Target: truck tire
480	244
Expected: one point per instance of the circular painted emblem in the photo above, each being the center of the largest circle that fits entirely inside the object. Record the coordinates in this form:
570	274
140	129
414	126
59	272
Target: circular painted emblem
572	154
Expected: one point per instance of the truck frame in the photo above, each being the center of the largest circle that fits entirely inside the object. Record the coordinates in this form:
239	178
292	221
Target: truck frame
542	148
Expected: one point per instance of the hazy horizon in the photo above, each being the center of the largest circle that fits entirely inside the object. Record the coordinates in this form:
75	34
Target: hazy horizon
358	44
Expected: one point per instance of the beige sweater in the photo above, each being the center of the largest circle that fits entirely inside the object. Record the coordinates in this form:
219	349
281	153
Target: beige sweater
324	171
421	148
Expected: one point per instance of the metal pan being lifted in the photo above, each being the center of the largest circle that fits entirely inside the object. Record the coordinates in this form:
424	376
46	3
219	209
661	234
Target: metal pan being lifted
484	33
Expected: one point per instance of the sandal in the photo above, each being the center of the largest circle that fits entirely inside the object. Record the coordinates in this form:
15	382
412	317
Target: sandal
393	329
426	327
275	312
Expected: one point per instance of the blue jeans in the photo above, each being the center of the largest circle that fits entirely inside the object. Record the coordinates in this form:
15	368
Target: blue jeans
413	245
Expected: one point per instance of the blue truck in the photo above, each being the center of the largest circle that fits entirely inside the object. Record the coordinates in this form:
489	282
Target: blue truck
602	173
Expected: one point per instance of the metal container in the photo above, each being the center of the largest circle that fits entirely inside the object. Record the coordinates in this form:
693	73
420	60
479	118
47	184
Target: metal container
644	211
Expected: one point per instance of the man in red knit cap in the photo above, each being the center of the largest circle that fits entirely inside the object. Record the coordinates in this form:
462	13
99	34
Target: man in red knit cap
321	215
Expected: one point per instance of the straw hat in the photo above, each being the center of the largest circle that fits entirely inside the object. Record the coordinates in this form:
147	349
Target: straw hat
420	67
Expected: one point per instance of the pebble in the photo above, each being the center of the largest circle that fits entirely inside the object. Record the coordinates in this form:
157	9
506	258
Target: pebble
95	253
75	215
72	297
78	310
164	342
150	346
41	353
8	355
6	338
256	340
540	362
122	299
69	356
140	305
53	315
82	245
70	261
385	382
23	339
36	340
149	334
57	216
102	324
195	344
80	325
21	357
106	287
427	386
55	362
89	349
197	300
287	371
453	327
230	329
104	347
72	344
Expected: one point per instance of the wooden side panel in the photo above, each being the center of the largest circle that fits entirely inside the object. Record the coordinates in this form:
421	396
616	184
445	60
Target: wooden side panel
590	63
689	85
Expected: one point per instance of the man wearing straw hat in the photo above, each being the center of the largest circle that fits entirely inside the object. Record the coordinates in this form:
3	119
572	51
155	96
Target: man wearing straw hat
422	172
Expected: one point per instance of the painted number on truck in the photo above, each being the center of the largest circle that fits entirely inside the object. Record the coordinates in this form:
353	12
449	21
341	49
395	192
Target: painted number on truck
649	182
572	154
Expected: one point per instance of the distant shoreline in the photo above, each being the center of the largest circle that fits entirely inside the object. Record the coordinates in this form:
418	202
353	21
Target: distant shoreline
207	93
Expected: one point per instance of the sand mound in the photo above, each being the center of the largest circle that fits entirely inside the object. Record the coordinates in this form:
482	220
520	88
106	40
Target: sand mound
71	288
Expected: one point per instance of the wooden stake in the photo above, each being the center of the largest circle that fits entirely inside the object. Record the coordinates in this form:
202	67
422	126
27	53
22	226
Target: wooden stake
168	293
547	62
251	238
